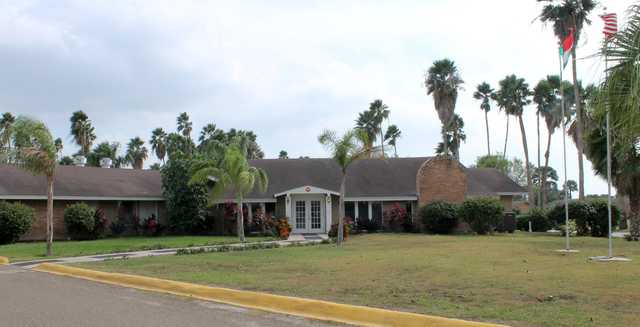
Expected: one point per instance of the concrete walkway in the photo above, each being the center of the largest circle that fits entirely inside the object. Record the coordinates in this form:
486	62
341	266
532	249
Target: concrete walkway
296	241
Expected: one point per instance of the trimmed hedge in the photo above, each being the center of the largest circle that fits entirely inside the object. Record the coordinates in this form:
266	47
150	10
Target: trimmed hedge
482	214
15	220
591	218
539	221
599	223
439	217
79	218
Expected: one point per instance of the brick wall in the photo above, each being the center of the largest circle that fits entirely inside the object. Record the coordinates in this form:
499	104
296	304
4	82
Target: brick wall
441	178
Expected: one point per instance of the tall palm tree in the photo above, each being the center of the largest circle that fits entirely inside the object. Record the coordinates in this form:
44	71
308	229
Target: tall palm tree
345	150
82	131
36	153
184	125
233	174
137	153
101	151
544	98
443	82
6	127
484	93
158	143
512	97
380	114
550	110
567	16
212	136
367	125
455	137
391	136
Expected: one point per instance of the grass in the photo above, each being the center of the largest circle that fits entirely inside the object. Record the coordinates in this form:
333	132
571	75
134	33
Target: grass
513	279
36	250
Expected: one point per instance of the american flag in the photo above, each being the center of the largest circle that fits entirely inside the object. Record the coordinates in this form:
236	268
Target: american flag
610	25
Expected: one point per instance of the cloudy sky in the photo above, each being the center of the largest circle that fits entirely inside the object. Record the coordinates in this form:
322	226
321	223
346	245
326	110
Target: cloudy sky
285	69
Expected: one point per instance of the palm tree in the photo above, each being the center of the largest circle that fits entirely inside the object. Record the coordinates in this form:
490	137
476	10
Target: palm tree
82	131
544	98
455	137
550	110
567	16
136	153
572	186
367	125
36	153
184	125
6	127
391	136
380	113
101	151
484	92
232	174
212	138
443	82
158	143
512	97
345	150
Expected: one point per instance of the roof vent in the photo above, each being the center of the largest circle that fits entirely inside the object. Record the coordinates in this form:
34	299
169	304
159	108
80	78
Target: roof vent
106	162
80	161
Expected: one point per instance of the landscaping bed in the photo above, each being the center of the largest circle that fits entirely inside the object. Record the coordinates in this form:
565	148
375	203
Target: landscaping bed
35	250
515	279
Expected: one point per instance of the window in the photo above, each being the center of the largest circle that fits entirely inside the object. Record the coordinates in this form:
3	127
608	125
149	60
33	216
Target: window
350	210
363	210
301	214
316	215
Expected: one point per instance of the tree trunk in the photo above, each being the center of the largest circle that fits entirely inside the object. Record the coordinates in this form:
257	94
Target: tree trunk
341	213
381	141
579	122
544	170
634	216
506	138
486	124
49	216
445	144
240	220
526	158
540	184
395	149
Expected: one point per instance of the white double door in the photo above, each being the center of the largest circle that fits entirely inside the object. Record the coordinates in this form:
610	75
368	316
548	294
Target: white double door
308	214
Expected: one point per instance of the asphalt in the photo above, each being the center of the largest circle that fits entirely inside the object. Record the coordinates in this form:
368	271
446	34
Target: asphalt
35	299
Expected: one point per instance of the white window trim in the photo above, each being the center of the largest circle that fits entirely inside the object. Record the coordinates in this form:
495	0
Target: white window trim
380	199
306	189
79	198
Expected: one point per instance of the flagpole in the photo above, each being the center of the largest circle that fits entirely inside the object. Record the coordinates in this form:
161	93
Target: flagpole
564	160
606	74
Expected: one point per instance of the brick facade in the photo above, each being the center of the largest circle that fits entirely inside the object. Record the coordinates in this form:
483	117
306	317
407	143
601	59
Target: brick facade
442	179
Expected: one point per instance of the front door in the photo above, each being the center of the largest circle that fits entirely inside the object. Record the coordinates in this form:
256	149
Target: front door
308	215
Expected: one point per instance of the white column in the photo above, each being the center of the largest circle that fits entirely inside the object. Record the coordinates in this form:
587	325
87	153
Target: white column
263	207
370	211
355	212
328	212
249	212
287	206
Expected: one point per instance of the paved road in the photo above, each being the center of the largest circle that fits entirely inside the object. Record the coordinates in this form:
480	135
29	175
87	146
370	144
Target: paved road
35	299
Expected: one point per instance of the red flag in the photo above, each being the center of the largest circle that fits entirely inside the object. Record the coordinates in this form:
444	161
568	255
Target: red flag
565	50
610	25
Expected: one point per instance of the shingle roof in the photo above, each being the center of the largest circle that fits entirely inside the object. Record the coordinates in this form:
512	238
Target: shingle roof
392	177
72	181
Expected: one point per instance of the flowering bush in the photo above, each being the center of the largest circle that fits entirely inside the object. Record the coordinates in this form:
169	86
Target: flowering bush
347	226
150	226
282	227
397	218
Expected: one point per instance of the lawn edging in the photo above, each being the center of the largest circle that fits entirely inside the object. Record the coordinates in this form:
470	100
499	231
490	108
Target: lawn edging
4	261
308	308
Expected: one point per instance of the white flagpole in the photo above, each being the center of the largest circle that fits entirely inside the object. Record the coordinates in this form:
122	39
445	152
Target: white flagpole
564	160
606	72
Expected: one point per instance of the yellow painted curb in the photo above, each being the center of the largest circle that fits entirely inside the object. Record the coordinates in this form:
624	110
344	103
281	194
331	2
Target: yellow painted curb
4	261
315	309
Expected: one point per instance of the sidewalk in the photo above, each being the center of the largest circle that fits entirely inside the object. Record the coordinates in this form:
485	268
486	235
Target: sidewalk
172	251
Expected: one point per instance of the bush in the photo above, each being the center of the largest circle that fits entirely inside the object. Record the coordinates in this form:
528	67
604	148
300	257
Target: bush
117	227
100	224
151	227
282	227
580	212
370	225
439	217
537	217
508	223
15	220
79	218
398	219
346	228
482	214
186	204
599	222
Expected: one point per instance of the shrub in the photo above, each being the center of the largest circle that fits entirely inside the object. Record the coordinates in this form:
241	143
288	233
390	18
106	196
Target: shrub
482	214
580	212
100	224
151	227
508	223
346	228
439	217
15	220
599	223
282	227
397	218
186	204
370	225
539	220
117	227
79	218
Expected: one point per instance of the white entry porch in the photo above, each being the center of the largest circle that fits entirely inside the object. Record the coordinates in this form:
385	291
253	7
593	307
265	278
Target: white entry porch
309	209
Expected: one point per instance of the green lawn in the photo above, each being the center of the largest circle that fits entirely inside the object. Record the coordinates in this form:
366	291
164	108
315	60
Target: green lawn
504	278
31	251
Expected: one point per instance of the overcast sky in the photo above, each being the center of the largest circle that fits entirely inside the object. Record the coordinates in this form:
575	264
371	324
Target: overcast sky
284	69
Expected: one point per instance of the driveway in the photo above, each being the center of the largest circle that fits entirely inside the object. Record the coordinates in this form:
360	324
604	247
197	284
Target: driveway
36	299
